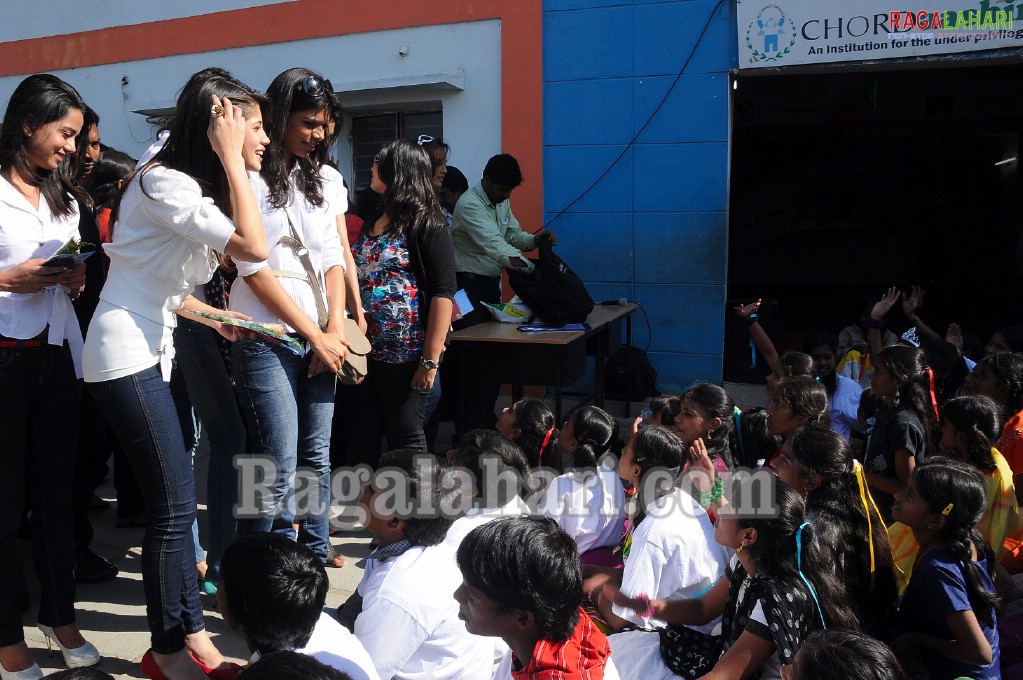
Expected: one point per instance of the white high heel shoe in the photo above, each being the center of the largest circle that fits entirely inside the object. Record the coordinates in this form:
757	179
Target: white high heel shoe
33	672
77	657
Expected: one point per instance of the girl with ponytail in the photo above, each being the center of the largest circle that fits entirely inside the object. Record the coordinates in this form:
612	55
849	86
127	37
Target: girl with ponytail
947	615
901	436
851	541
588	501
530	424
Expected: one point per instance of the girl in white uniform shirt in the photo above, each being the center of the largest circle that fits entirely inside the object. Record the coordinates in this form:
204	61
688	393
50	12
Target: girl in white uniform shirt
40	349
288	400
169	223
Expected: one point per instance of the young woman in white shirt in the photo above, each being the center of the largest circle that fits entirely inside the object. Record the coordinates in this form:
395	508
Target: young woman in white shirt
40	353
288	400
190	202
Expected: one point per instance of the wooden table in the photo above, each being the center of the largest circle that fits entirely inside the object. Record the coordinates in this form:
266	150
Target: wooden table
495	352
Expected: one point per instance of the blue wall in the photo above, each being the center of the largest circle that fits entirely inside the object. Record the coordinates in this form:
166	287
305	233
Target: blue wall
654	229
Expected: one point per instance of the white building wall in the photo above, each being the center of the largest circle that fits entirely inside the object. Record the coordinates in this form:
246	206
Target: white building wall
464	53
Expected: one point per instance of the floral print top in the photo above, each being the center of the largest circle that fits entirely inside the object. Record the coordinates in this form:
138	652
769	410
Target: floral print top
390	298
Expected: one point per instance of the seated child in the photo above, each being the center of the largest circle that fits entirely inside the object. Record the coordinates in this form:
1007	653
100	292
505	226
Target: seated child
530	424
589	500
755	442
272	593
292	666
670	552
662	410
845	655
408	621
947	614
521	582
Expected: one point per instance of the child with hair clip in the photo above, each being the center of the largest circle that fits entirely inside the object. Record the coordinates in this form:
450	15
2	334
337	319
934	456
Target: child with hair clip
947	614
771	598
706	424
787	365
851	541
661	410
669	550
969	427
1000	376
901	435
756	443
801	401
530	424
588	501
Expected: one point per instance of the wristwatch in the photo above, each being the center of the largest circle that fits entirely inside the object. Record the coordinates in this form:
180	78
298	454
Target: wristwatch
430	363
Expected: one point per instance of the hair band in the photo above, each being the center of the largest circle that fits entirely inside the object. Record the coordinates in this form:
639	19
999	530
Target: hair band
858	471
947	510
934	401
738	429
546	440
799	568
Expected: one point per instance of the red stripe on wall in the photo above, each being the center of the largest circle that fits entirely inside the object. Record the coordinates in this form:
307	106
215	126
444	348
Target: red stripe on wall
521	54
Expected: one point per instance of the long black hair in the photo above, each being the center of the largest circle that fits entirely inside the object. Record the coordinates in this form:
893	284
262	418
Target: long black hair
1007	368
848	535
187	148
846	655
537	427
39	100
979	419
112	168
908	366
806	398
774	554
948	484
297	89
716	403
597	434
409	200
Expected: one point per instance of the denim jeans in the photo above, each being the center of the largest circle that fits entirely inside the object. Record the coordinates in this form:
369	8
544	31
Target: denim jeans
141	410
385	405
289	417
39	398
213	398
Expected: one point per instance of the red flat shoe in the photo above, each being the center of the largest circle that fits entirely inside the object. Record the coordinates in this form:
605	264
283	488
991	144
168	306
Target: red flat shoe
229	672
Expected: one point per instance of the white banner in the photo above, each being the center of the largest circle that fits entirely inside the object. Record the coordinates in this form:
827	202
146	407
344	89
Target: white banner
776	33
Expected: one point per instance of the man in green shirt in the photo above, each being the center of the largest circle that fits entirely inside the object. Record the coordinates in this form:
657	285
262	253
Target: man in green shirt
488	238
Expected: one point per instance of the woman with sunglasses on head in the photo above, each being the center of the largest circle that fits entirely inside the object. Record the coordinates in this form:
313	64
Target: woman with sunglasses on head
40	352
288	399
189	203
407	277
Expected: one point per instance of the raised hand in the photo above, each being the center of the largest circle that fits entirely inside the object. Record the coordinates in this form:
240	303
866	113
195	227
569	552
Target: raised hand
913	302
954	335
227	130
885	304
744	311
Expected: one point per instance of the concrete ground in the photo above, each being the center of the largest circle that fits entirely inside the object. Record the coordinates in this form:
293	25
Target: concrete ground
112	615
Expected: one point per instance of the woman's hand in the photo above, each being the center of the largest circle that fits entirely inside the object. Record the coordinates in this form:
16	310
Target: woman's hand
954	335
885	304
233	333
422	379
330	350
73	281
31	277
227	131
745	311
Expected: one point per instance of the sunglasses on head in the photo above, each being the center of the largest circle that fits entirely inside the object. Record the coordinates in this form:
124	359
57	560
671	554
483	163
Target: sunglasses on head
314	86
424	139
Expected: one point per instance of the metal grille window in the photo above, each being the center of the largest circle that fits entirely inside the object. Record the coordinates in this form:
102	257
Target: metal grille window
371	131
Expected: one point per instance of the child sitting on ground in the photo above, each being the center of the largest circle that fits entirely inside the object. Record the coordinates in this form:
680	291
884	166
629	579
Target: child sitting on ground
521	582
662	410
530	424
272	593
292	666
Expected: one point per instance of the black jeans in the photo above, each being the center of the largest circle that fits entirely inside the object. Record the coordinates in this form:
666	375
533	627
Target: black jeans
39	420
384	405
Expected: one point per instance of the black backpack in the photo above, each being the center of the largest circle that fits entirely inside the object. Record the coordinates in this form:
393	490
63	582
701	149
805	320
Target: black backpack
628	375
552	290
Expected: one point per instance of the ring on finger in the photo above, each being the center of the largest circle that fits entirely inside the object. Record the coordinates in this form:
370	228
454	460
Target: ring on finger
216	110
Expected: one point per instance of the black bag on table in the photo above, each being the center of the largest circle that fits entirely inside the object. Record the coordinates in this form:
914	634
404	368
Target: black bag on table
554	292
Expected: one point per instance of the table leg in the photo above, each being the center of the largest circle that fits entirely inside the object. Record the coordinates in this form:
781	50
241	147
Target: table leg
628	341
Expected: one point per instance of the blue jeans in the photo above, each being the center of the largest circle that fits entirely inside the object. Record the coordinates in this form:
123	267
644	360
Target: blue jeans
39	398
141	410
289	417
213	398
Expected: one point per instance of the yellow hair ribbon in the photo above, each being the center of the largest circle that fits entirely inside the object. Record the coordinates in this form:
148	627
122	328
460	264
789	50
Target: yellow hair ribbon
858	469
947	510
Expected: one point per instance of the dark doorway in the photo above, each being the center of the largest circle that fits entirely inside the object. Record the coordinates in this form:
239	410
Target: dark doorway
846	182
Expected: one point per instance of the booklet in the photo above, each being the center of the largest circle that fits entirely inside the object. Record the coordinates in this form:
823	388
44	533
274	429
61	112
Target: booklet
69	255
273	333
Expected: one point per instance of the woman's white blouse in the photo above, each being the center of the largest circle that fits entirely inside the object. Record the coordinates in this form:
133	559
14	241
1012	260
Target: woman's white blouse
317	229
27	233
162	248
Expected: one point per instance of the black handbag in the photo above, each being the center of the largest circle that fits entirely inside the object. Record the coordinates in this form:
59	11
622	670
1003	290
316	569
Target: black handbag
689	653
555	294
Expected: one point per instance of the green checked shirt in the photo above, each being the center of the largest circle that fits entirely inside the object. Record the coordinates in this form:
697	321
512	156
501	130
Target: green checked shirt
485	235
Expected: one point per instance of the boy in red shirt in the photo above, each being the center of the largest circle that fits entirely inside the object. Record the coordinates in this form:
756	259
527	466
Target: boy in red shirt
521	582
